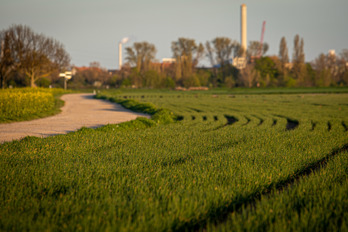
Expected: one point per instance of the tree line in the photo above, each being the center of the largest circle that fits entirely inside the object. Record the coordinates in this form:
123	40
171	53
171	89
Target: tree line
28	58
143	70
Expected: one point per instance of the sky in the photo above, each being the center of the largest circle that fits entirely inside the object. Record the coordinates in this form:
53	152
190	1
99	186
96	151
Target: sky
91	30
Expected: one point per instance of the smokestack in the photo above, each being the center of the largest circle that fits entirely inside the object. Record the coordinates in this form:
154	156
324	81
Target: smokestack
123	41
120	55
243	27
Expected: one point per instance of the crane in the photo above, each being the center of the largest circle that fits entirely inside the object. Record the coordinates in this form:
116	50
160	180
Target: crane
261	40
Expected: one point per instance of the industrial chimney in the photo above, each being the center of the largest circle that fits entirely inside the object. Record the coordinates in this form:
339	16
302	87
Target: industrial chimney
123	41
243	27
120	55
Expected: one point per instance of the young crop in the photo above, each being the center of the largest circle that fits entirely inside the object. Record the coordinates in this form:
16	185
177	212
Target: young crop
223	155
315	203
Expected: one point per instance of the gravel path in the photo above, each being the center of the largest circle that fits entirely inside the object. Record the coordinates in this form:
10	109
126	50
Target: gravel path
79	110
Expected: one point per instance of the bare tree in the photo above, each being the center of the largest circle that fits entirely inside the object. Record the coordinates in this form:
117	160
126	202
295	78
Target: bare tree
141	55
298	60
283	52
7	62
249	76
298	55
210	53
283	59
320	62
323	74
344	55
187	55
93	75
221	51
35	55
238	51
254	49
344	66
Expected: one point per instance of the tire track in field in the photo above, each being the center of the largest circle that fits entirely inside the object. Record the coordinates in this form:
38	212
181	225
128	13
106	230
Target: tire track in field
220	214
230	121
291	124
344	126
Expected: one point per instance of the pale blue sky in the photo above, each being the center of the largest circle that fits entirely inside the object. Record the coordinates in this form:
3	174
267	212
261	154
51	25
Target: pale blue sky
91	30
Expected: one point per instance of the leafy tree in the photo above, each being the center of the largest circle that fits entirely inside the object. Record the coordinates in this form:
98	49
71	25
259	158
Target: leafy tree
136	78
152	79
169	83
126	82
268	70
191	81
43	82
203	76
114	81
35	55
141	55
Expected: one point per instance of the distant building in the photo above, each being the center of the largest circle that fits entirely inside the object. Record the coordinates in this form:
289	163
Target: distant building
168	60
113	71
289	65
239	62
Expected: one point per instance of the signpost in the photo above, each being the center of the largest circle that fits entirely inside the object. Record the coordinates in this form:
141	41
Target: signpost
67	76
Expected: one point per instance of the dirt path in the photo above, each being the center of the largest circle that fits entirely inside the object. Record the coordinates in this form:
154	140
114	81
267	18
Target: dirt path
80	110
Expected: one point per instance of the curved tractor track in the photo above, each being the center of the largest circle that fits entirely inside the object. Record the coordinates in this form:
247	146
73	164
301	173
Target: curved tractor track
288	124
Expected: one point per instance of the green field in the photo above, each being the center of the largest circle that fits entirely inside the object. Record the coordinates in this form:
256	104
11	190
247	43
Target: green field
229	162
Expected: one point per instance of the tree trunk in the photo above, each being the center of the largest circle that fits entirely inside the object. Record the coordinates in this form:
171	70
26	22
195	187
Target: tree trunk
2	82
32	82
